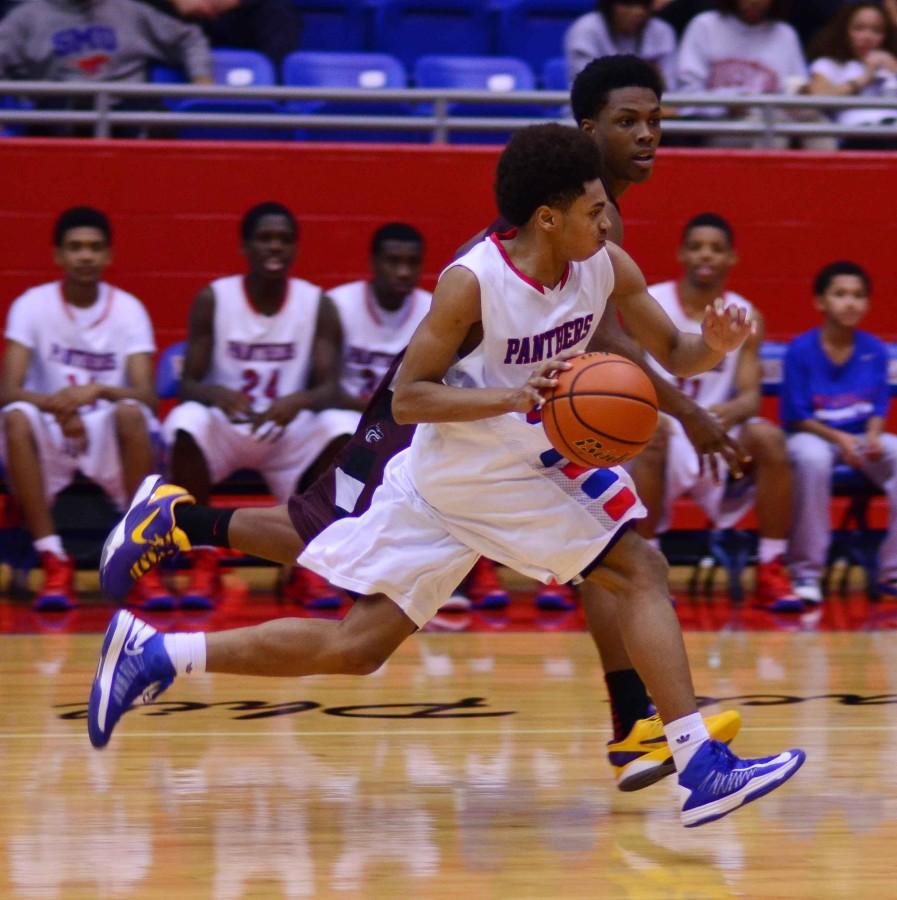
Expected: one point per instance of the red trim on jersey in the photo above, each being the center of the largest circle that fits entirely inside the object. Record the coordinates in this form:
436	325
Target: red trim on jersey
541	288
253	308
373	307
105	302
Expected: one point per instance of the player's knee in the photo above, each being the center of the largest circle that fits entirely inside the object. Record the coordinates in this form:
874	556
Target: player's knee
17	426
765	441
652	565
129	419
362	658
809	455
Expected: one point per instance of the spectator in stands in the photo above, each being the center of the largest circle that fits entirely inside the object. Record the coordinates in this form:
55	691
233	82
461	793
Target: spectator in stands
621	26
77	393
743	47
99	40
679	13
261	375
272	27
856	55
670	467
834	403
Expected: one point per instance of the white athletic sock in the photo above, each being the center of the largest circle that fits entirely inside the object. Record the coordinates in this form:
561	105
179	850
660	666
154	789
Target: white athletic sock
684	737
771	548
187	651
52	543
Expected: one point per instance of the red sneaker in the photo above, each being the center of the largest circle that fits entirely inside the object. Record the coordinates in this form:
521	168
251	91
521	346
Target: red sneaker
308	589
554	597
774	589
58	591
205	581
149	593
484	588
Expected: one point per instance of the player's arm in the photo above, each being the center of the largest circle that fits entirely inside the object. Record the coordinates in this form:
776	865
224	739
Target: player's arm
723	329
748	378
420	395
16	360
140	382
324	391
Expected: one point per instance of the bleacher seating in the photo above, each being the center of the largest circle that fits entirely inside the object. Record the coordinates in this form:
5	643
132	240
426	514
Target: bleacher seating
348	70
554	74
410	29
486	73
534	29
332	25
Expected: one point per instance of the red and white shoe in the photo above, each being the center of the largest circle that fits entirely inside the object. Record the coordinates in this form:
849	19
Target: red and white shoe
308	589
205	581
483	587
58	592
149	593
775	591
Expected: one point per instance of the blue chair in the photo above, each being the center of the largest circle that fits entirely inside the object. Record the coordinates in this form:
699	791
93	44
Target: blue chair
534	29
482	73
409	29
169	370
371	71
332	25
234	68
554	74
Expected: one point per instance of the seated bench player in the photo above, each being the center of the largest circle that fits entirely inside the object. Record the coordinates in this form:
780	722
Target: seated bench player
260	377
77	394
670	467
478	478
834	403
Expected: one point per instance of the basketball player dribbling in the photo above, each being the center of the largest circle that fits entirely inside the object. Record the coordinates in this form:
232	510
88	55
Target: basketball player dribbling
474	475
617	102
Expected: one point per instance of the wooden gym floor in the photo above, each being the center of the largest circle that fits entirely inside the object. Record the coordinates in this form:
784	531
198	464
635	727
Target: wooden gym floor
472	765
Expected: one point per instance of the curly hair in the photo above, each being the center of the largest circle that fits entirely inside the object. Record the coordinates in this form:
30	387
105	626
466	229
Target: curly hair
833	41
544	165
778	9
593	84
824	278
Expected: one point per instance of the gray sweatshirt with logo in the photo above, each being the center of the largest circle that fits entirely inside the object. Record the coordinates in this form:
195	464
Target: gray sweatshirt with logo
101	40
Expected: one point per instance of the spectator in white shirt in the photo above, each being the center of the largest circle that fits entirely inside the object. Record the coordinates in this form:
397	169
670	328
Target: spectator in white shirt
856	55
621	26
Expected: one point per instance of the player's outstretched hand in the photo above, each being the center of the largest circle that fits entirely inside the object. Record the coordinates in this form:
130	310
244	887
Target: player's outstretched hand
725	328
541	383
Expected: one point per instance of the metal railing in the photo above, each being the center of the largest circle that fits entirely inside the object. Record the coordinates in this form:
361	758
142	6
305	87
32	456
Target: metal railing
436	111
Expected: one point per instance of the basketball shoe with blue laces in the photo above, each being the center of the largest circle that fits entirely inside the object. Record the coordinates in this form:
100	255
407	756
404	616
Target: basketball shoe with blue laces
643	756
146	534
716	781
134	667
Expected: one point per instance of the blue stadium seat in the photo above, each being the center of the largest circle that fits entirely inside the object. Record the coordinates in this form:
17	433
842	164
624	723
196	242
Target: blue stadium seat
534	29
332	25
409	29
234	68
372	71
169	369
554	74
482	73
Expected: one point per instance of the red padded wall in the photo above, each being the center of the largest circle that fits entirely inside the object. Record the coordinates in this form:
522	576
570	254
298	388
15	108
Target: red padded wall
175	208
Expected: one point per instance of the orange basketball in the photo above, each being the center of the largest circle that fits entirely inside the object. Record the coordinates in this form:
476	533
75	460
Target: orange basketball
603	411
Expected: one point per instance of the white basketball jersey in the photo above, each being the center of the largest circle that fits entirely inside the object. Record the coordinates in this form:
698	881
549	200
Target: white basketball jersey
74	346
373	336
265	357
524	324
709	388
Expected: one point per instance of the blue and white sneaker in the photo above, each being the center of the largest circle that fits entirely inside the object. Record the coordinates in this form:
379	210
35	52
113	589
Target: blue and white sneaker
133	663
716	781
146	534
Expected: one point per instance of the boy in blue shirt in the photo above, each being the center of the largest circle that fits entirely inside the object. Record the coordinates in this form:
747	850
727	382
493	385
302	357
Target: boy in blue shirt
834	401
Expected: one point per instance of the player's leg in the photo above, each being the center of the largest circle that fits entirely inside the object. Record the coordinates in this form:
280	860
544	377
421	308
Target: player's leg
765	444
648	471
812	460
135	446
883	472
136	661
714	780
37	468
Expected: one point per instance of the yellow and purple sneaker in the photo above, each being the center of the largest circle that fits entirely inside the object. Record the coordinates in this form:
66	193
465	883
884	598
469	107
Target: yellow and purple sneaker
146	534
643	757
